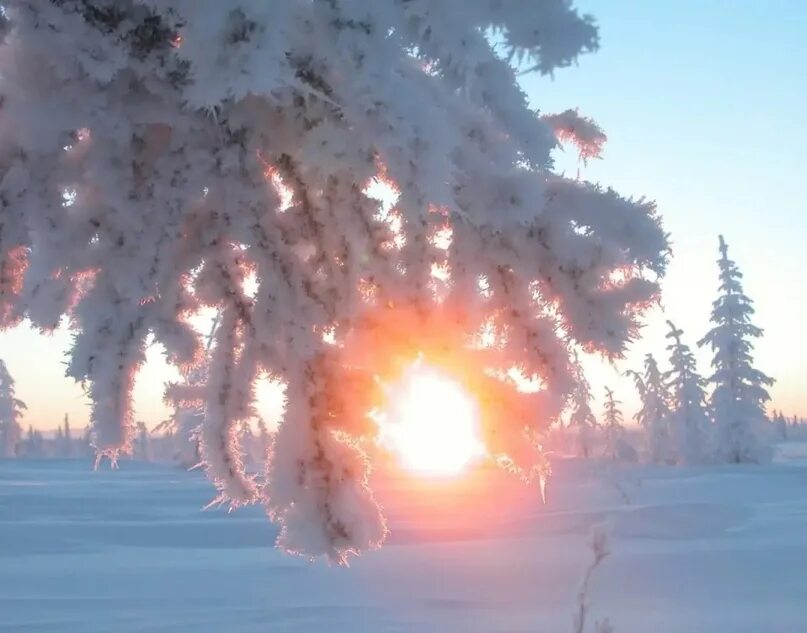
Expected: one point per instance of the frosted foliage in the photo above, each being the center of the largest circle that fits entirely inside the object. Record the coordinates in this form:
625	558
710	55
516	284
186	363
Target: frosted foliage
688	418
10	411
653	415
157	156
739	394
583	132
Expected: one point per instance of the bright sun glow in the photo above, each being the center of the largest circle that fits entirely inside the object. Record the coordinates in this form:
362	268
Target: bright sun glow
432	423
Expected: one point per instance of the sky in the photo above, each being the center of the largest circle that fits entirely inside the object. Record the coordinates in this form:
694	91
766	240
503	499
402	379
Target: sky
704	105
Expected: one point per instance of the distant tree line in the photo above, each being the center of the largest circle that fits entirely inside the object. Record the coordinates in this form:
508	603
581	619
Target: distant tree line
684	417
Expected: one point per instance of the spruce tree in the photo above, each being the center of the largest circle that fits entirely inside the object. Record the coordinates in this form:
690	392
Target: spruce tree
142	449
688	416
739	389
582	418
68	438
265	439
779	421
614	430
654	412
10	411
56	449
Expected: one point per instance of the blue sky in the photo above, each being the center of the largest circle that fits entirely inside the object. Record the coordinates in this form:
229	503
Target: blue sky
704	106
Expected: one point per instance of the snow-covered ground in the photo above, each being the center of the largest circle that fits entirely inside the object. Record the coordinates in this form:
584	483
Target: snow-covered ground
693	550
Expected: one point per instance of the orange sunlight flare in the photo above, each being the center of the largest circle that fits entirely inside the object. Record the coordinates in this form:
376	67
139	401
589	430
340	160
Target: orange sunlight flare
431	422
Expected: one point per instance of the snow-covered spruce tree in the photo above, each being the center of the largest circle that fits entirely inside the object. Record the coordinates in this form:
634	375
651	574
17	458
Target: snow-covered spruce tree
156	156
264	439
185	424
10	410
34	443
67	450
614	431
689	417
85	448
780	422
56	448
582	419
653	416
739	395
142	443
182	429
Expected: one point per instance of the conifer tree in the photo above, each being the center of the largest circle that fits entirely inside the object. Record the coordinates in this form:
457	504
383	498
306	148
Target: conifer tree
142	443
739	389
582	418
11	409
185	424
614	431
780	423
86	449
265	439
688	417
34	443
653	416
29	441
56	449
159	158
68	438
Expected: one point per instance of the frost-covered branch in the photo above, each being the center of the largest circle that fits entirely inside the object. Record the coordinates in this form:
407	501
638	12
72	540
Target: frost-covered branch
583	132
158	159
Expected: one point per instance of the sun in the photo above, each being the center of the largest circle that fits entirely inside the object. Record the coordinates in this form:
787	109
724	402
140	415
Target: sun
431	422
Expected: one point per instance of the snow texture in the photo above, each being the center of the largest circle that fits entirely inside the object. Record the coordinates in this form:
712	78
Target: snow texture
697	550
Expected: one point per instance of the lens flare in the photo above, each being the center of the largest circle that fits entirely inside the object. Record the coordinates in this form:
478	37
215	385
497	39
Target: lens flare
431	423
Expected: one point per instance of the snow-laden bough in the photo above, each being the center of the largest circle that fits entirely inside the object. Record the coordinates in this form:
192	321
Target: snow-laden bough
158	158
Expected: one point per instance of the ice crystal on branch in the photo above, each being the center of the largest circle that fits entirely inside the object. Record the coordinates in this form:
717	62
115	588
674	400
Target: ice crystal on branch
583	132
157	157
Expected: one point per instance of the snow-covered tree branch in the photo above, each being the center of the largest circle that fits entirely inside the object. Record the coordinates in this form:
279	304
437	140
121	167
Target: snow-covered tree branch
159	158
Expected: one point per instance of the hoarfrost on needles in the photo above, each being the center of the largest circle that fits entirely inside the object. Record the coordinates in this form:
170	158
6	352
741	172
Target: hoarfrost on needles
155	157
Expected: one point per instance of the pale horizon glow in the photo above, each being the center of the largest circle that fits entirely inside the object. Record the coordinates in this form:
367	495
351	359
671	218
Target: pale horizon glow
431	424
